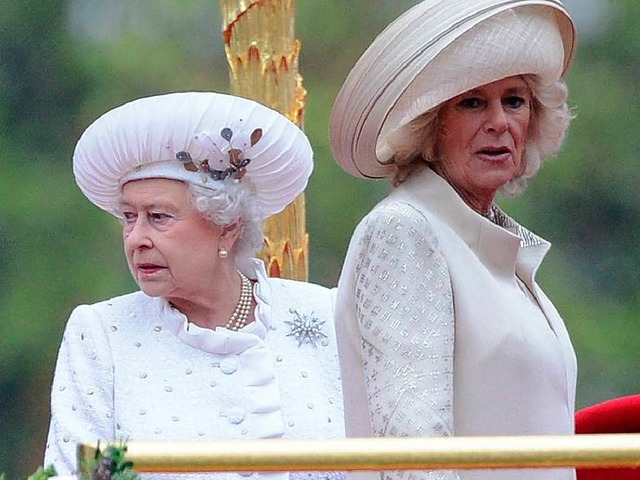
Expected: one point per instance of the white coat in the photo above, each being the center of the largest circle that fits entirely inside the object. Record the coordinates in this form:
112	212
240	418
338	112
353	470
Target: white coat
134	368
442	329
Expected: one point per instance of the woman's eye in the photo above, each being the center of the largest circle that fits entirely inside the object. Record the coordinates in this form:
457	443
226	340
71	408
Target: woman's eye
515	101
470	102
128	217
158	217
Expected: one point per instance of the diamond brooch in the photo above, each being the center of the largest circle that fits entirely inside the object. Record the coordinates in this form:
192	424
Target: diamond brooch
305	328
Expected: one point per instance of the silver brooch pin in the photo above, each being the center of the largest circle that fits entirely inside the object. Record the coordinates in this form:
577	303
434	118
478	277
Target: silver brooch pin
305	328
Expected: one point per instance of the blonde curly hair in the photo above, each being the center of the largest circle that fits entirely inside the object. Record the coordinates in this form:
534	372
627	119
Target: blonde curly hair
415	143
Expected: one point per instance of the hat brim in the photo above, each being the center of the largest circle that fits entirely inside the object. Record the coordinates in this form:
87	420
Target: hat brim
387	68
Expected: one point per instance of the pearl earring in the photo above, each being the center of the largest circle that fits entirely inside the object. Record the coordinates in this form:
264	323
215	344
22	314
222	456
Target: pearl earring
222	252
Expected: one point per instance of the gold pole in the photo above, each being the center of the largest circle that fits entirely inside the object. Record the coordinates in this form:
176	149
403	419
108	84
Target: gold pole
586	451
262	54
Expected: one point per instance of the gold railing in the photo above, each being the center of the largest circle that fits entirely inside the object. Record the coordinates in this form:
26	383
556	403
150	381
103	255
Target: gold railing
585	451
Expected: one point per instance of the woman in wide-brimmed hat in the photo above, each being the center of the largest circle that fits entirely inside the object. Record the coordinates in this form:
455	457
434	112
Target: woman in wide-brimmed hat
209	348
442	328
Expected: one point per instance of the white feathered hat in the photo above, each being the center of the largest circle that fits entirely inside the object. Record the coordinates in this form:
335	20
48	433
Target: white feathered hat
436	51
199	137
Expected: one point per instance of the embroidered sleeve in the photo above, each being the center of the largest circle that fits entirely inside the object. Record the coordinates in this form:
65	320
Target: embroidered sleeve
82	391
405	312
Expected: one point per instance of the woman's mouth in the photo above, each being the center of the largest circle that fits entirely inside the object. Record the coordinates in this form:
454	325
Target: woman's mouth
147	269
495	154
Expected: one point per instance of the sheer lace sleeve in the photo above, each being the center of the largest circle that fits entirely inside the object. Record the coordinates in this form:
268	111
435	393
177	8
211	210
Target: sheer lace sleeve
82	391
405	313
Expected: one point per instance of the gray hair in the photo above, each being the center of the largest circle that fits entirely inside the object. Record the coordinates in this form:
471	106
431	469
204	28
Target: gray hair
227	203
415	143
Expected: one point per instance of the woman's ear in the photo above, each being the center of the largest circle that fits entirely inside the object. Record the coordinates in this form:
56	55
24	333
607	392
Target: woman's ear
230	234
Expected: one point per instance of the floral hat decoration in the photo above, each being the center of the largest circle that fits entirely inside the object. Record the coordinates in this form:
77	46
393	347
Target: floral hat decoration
204	138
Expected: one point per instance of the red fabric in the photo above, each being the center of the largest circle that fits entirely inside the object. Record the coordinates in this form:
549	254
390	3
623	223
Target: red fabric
620	415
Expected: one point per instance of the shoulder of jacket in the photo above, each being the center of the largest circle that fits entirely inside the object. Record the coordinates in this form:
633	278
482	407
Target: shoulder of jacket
131	304
294	295
399	209
397	218
295	286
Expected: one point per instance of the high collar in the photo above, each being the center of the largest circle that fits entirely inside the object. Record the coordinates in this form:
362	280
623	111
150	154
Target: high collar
505	249
221	340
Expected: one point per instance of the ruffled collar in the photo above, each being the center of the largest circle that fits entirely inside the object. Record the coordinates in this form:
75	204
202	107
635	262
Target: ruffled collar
220	340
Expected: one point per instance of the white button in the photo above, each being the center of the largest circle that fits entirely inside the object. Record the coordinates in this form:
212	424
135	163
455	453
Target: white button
235	415
230	364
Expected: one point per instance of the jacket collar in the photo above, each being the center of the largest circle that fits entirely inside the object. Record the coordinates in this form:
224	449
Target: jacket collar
505	246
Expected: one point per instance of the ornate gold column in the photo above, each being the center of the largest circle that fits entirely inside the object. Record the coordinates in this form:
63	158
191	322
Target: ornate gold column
263	65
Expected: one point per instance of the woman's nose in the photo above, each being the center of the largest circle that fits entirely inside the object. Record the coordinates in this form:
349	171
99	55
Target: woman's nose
496	120
137	234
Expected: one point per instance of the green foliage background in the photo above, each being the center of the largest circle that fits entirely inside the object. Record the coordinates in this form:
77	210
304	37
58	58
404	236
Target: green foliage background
63	63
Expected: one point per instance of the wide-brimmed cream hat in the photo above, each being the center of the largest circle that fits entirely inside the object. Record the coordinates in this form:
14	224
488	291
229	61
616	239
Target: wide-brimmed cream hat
204	138
433	52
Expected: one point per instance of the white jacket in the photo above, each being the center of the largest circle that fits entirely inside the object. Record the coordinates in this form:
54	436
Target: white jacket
134	368
442	329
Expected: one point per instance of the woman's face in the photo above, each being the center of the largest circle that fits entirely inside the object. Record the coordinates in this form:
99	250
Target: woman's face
481	139
170	248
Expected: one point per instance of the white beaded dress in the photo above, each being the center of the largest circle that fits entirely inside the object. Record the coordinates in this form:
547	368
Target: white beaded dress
442	329
134	368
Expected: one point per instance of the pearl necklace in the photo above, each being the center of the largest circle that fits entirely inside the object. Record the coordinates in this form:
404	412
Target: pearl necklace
241	312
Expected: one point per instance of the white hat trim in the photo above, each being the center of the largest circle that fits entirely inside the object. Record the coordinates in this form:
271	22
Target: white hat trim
169	169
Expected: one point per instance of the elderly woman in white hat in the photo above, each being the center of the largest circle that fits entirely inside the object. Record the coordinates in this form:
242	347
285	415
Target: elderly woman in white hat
442	328
209	348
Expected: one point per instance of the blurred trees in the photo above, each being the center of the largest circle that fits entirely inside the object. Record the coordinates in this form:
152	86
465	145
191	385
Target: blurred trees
40	77
64	63
587	202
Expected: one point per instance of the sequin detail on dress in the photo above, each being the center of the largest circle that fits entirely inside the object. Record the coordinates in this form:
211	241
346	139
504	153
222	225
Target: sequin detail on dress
405	310
527	238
